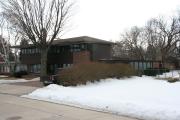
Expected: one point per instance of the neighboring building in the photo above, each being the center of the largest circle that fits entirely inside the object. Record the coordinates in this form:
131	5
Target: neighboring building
2	69
1	59
66	52
1	50
6	64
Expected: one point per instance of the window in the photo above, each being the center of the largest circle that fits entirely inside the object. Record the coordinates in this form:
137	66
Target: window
144	65
136	65
54	50
29	51
25	51
38	50
55	66
148	65
58	50
64	65
69	65
76	47
140	66
22	51
1	69
35	68
51	67
32	50
60	65
63	49
83	47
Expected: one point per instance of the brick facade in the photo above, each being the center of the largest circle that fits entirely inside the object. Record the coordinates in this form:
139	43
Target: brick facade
66	52
81	57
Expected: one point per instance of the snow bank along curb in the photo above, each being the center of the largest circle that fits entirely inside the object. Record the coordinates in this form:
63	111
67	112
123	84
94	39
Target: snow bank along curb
138	97
75	105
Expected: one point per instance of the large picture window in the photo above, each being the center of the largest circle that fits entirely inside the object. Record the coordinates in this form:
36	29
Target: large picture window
35	68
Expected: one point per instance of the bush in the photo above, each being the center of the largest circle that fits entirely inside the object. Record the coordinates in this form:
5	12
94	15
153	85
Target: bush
154	72
173	80
90	72
19	74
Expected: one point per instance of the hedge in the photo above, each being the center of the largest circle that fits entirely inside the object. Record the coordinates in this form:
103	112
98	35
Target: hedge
90	72
154	72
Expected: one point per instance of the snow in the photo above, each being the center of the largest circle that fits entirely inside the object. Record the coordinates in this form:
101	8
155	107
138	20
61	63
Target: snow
171	74
4	81
140	97
3	76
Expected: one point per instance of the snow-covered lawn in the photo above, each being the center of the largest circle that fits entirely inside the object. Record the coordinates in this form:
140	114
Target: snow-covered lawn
139	97
3	81
171	74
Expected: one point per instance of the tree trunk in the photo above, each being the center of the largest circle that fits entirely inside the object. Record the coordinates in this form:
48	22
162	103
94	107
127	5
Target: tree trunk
43	73
163	59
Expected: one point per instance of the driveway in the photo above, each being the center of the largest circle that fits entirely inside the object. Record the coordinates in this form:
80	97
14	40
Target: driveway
14	107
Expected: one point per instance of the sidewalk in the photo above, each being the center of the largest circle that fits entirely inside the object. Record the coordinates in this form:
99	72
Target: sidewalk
31	84
14	107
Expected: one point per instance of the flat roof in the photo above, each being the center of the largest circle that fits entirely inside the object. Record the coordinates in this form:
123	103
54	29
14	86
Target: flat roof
74	40
81	39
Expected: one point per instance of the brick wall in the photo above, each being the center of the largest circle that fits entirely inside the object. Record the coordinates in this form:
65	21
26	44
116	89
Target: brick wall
156	65
81	57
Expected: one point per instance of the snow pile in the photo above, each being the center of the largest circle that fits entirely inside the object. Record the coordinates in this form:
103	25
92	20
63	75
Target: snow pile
171	74
3	76
139	97
3	81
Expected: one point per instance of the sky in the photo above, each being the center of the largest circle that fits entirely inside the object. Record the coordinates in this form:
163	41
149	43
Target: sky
107	19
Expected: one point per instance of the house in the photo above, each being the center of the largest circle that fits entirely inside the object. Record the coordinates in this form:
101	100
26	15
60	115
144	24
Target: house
1	59
66	52
139	65
2	69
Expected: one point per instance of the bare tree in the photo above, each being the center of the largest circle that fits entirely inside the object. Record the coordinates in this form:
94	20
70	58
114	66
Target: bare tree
132	43
4	46
41	21
120	50
5	51
6	41
166	35
152	38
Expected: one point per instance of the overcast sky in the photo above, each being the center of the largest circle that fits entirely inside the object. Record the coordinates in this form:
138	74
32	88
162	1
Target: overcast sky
106	19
